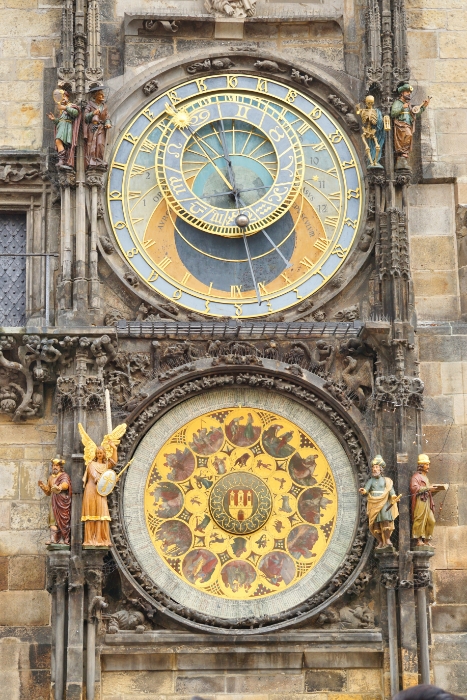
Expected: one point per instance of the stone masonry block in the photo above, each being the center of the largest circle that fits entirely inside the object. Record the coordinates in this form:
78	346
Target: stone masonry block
452	71
433	253
136	683
28	477
450	121
9	477
29	608
452	377
447	468
449	618
457	20
27	573
457	547
318	680
16	47
5	507
429	284
199	684
25	115
441	195
239	661
430	373
29	516
423	44
439	437
138	662
442	348
452	145
450	586
453	45
16	542
431	220
3	573
451	675
364	680
30	23
462	501
426	19
460	409
265	683
450	647
438	308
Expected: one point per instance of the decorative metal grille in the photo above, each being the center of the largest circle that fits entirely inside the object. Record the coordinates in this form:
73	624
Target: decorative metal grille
12	269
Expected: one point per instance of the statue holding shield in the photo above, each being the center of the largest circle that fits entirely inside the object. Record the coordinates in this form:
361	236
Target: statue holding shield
99	480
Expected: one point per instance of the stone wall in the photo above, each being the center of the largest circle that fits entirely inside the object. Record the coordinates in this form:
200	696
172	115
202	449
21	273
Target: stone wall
29	38
24	602
443	355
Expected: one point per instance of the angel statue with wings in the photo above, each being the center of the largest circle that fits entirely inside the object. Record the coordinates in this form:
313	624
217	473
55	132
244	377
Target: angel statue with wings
98	485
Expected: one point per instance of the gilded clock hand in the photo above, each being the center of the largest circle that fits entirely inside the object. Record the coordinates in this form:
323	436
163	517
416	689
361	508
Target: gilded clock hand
209	158
181	120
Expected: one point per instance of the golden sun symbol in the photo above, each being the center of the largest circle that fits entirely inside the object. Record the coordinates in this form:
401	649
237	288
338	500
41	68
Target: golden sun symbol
181	118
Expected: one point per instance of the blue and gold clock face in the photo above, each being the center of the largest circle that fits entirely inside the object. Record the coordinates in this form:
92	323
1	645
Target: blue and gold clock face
234	195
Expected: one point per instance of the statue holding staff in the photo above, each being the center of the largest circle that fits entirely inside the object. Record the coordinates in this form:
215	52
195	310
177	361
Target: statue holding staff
382	507
58	487
99	479
95	125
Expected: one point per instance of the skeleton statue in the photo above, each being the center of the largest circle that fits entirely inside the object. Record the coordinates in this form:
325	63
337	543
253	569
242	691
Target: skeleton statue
373	134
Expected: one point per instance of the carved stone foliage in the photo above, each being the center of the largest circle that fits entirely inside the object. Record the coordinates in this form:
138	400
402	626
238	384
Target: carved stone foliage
399	391
81	383
231	8
25	364
125	375
352	566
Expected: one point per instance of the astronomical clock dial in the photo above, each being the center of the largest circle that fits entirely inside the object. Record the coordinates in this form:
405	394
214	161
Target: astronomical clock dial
234	195
240	503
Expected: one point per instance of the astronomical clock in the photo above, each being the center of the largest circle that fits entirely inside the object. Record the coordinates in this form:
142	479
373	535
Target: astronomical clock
237	196
234	195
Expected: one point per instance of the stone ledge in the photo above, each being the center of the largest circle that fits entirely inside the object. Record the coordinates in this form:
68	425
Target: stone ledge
201	659
190	642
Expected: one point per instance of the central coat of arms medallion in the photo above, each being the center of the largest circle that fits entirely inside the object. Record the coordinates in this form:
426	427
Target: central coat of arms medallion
240	503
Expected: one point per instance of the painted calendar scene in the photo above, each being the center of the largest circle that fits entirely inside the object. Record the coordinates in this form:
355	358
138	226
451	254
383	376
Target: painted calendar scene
240	503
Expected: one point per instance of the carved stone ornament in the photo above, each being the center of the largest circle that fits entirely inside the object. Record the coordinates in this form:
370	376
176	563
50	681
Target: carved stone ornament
405	391
209	64
302	78
231	8
359	617
390	579
268	67
14	171
150	87
343	578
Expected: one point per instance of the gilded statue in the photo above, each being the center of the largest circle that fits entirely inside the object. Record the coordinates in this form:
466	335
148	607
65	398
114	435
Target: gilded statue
58	487
423	507
99	479
95	125
382	507
404	116
66	128
373	133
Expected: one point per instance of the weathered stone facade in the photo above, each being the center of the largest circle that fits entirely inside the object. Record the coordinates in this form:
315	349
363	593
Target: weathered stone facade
380	354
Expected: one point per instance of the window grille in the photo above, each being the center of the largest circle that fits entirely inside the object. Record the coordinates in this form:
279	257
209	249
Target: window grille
12	269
